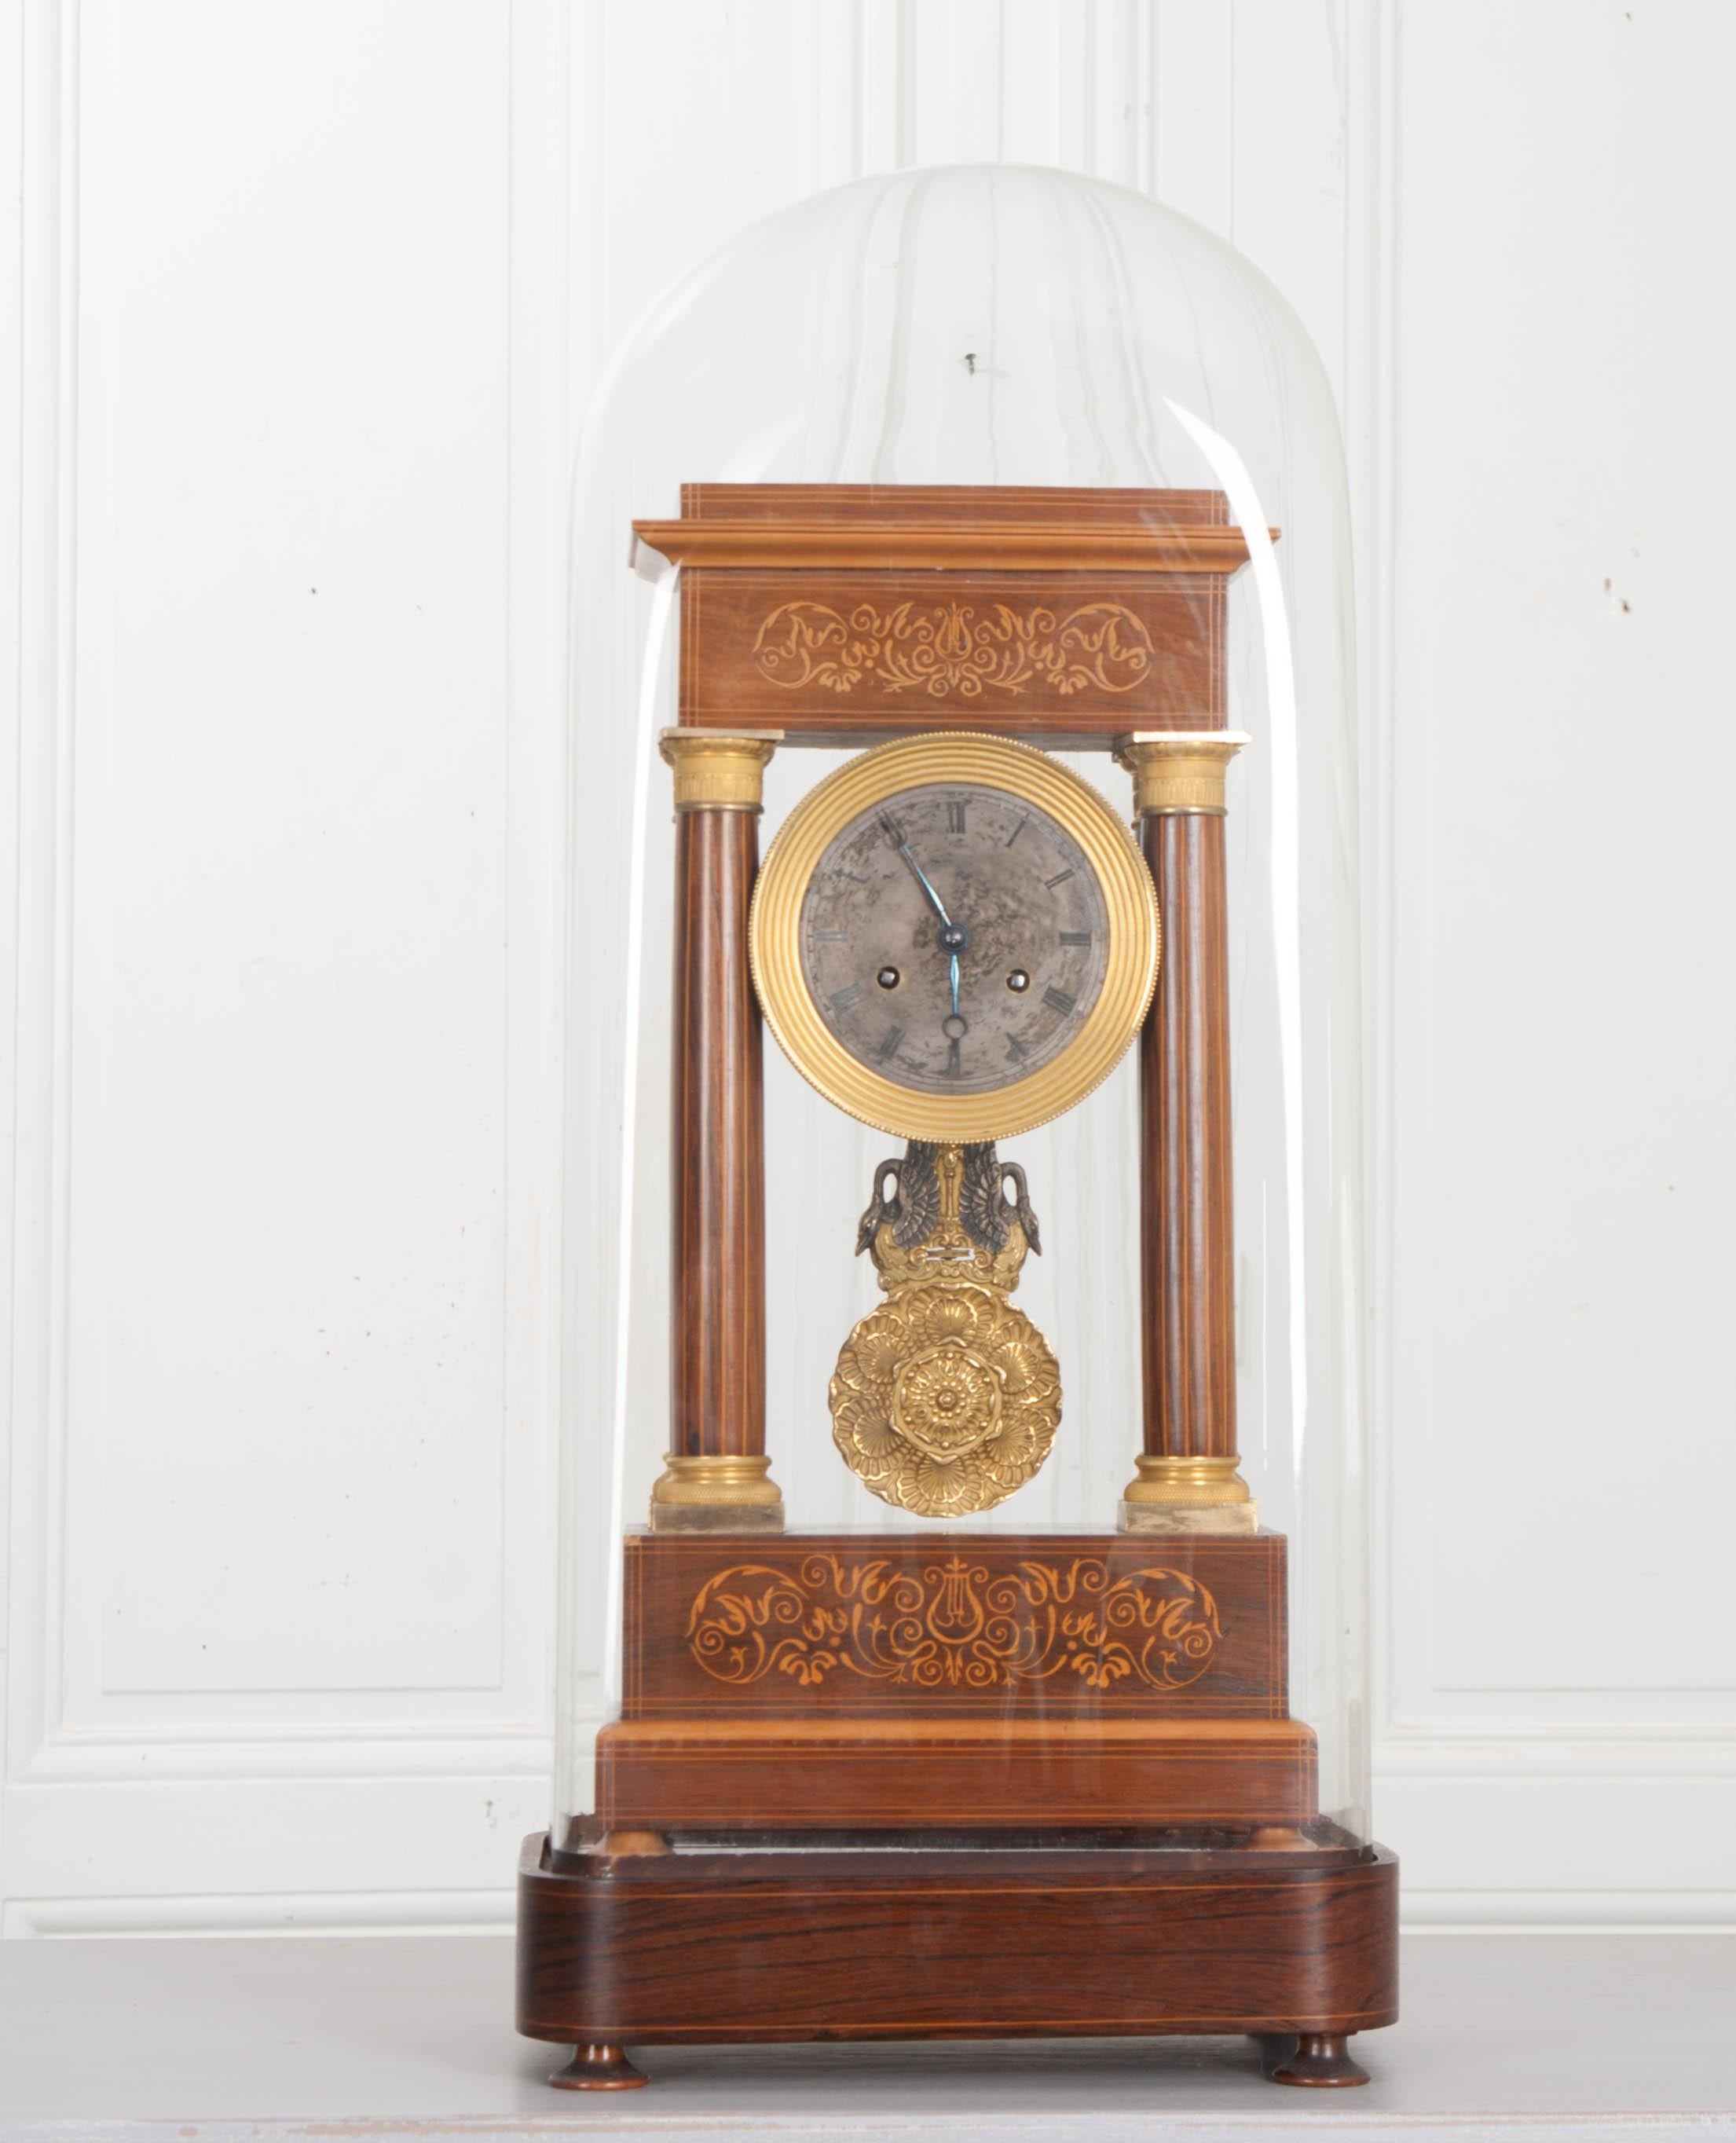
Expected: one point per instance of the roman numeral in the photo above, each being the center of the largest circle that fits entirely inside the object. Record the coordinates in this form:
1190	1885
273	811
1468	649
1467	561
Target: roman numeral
888	1047
1060	878
1056	1000
955	818
955	1063
1068	937
842	1000
1015	1049
1016	831
893	830
841	936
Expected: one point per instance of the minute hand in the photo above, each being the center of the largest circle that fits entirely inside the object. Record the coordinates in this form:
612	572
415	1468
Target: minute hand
934	899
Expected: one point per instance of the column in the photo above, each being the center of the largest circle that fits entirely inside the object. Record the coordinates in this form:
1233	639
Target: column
1187	1479
716	1477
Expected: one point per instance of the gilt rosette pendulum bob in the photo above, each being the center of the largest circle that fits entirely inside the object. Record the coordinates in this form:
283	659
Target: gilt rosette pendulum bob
946	1398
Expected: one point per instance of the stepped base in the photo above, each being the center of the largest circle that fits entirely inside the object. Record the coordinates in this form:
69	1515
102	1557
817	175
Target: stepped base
759	1774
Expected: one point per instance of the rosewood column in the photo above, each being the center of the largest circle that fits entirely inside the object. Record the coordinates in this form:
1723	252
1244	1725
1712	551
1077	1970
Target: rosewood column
1187	1479
715	1477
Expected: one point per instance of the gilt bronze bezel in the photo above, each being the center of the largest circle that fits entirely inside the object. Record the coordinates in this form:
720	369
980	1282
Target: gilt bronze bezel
878	777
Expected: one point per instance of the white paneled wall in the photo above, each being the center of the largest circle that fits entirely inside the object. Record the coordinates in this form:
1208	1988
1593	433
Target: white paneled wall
312	293
1559	746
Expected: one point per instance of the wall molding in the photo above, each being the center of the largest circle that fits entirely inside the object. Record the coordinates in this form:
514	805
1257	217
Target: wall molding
1568	1912
301	1912
290	1755
48	267
1444	1913
1437	1753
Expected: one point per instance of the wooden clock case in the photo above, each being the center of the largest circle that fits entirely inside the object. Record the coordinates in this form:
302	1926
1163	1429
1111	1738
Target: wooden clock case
806	1828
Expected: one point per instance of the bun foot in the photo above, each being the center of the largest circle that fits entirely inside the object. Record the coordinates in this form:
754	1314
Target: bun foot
1322	2060
601	2066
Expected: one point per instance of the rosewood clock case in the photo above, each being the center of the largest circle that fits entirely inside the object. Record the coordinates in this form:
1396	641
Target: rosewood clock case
850	1767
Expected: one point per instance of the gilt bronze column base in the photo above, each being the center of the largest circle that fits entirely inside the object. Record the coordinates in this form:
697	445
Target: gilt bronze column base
1190	1494
716	1492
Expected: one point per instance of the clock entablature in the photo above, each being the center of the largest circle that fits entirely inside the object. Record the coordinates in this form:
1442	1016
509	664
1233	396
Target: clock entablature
847	615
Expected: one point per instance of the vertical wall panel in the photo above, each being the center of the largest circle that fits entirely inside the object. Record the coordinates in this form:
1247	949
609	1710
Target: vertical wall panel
1193	48
287	1070
1288	158
1564	1709
1578	1067
285	1400
962	57
16	1193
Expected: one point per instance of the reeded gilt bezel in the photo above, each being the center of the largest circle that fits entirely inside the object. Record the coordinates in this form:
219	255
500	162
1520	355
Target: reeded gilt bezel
877	778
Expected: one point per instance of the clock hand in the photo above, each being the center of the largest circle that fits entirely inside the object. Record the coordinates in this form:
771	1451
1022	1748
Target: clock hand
953	939
934	899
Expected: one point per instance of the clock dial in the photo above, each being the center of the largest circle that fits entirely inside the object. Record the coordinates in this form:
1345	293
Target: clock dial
954	938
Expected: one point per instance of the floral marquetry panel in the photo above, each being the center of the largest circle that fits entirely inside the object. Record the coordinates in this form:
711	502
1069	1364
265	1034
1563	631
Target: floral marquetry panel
956	650
1087	1628
956	1625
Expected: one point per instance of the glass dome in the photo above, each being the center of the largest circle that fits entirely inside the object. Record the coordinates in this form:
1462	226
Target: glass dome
991	454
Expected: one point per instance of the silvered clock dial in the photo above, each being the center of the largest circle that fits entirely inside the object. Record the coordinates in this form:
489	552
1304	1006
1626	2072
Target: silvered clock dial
955	939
